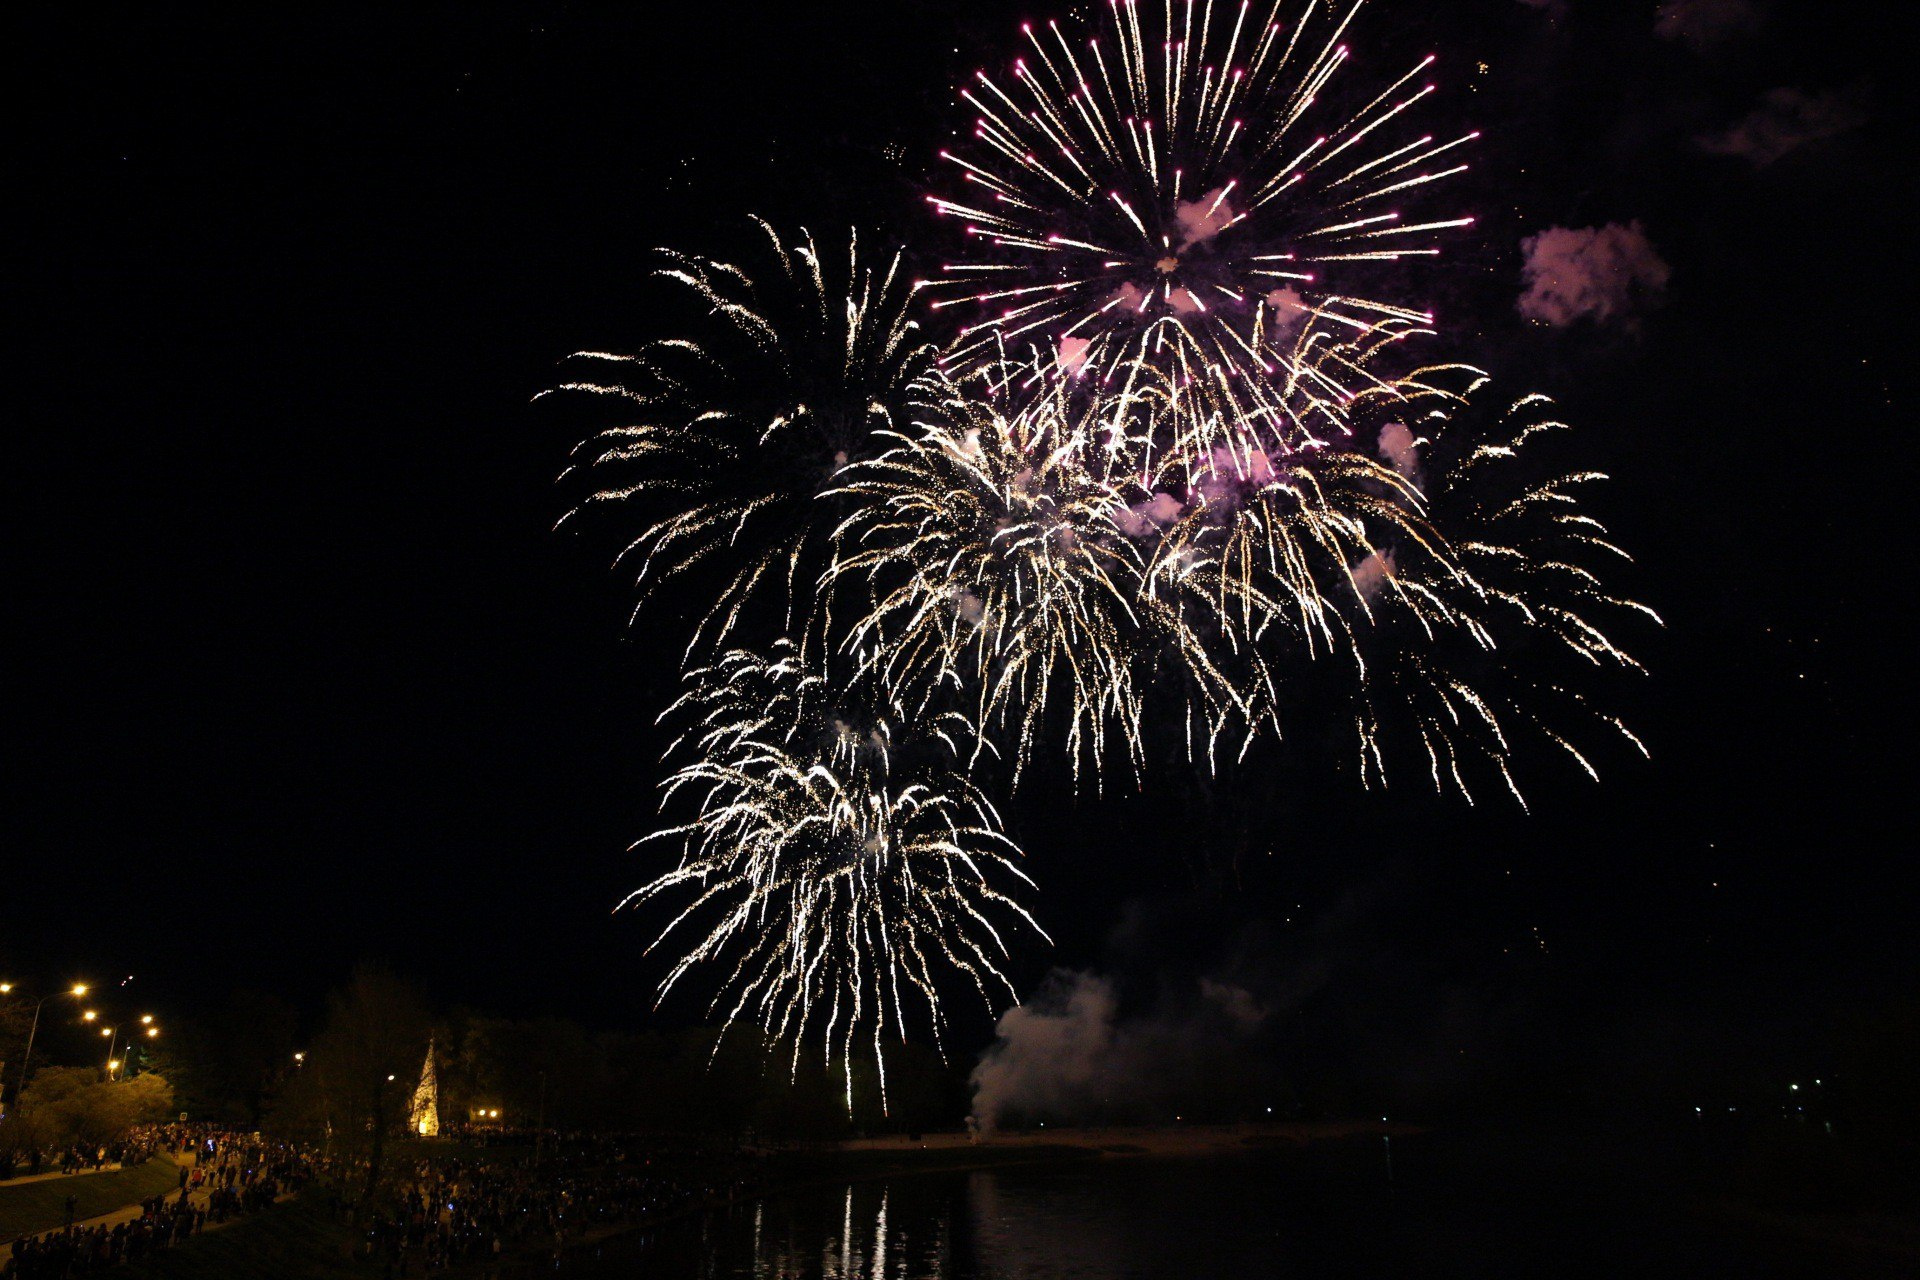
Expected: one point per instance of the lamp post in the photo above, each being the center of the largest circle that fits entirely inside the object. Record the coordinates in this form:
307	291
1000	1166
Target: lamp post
6	989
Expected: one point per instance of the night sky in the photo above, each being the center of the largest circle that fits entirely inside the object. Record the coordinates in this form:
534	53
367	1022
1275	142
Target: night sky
301	674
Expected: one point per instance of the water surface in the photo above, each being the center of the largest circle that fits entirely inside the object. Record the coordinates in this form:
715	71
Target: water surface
1441	1209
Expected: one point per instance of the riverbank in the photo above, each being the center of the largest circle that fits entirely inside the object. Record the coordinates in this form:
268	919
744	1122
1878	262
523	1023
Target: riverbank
863	1160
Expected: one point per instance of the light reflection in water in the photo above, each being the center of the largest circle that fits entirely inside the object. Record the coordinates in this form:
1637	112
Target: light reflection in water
1487	1212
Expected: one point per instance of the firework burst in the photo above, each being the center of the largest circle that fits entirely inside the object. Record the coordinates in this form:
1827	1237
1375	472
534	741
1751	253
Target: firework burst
1166	467
982	557
835	864
738	430
1187	184
1478	653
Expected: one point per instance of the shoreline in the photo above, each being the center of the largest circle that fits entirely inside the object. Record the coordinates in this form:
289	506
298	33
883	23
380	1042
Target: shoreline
894	1156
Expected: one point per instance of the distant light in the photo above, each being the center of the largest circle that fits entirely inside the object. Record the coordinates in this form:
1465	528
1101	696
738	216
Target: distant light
1794	1087
1696	1111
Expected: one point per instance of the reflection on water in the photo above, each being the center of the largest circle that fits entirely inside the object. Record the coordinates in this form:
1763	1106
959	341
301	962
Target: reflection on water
1477	1212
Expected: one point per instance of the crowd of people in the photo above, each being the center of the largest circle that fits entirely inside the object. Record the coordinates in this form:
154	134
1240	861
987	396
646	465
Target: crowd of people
447	1210
484	1195
221	1175
136	1147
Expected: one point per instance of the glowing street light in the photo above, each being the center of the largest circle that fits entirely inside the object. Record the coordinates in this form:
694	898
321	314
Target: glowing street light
77	990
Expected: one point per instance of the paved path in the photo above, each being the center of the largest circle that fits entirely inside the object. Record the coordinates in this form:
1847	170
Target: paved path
126	1212
48	1177
199	1198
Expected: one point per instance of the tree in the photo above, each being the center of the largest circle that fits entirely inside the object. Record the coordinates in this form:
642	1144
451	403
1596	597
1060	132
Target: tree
353	1088
67	1106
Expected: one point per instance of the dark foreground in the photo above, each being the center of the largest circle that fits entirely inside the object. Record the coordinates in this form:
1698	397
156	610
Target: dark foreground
1423	1205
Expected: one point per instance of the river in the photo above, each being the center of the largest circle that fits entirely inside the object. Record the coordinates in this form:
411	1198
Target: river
1417	1207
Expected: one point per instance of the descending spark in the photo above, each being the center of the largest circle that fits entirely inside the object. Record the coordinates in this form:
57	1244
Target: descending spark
832	870
1441	661
982	556
735	431
1187	184
1165	473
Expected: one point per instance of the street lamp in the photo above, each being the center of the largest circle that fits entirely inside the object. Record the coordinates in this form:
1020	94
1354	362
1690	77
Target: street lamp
77	990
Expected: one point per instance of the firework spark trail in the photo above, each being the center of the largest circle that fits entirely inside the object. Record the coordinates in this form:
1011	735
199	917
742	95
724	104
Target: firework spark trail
739	430
831	872
982	555
1184	188
1168	461
1439	652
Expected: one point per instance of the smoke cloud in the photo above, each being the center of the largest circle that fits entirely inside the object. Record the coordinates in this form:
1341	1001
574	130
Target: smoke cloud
1607	274
1787	119
1204	218
1144	518
1703	24
1373	573
1289	309
1069	1056
1400	450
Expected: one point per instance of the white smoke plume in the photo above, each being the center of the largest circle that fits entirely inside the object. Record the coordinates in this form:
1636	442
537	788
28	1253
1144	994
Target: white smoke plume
1068	1055
1606	274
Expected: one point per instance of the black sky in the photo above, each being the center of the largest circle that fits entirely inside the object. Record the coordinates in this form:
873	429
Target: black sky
302	676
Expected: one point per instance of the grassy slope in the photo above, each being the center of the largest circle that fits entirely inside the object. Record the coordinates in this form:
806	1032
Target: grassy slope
292	1241
41	1206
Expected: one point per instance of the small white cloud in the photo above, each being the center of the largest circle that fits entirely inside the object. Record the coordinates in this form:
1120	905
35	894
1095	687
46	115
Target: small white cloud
1182	302
968	606
1400	450
1373	573
1144	518
1607	274
1289	309
1202	219
1787	119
